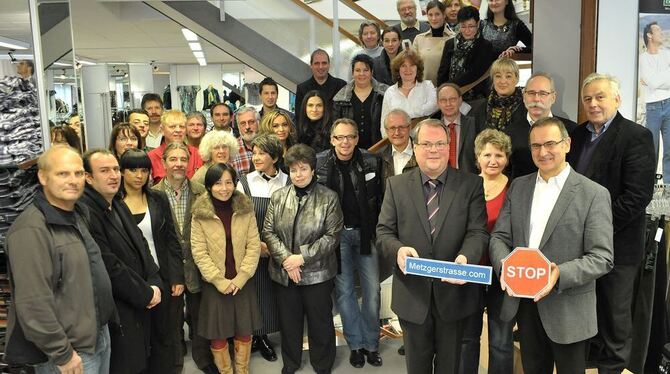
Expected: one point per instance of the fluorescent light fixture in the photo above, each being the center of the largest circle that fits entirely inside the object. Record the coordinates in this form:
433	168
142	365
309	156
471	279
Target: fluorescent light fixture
202	62
189	35
61	64
195	46
199	54
5	56
86	62
13	43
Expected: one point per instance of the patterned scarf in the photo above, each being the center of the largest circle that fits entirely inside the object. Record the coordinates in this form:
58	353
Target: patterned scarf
499	109
462	49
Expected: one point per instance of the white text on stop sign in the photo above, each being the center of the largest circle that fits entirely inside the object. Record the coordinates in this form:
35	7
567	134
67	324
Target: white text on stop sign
525	272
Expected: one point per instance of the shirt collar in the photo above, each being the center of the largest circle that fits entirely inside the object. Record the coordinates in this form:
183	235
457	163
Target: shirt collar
457	121
408	150
169	188
416	25
530	120
558	180
442	178
592	129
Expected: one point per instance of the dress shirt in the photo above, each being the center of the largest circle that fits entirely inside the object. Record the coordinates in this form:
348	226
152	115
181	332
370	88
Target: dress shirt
416	25
153	141
261	187
242	162
544	198
400	159
655	73
178	206
530	120
592	129
421	101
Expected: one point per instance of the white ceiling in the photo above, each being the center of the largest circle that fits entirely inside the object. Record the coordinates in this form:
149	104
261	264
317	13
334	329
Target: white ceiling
15	22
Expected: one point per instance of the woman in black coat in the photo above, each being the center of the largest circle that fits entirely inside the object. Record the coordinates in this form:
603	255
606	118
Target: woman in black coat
152	214
136	284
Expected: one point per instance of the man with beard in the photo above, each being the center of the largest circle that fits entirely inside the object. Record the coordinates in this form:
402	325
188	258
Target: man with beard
247	119
153	105
173	123
222	118
538	97
409	26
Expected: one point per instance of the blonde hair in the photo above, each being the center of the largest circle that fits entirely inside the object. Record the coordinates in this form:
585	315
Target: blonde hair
496	138
173	116
504	65
268	119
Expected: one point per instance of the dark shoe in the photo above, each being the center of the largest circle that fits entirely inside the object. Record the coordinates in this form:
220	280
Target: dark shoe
211	369
401	350
265	346
374	358
357	358
254	343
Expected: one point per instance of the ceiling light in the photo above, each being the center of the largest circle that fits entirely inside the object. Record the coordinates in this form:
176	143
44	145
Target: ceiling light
189	35
202	62
63	76
61	64
85	62
195	46
199	54
13	43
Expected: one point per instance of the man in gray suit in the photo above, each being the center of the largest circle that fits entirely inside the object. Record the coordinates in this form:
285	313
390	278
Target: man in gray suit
461	129
436	212
568	218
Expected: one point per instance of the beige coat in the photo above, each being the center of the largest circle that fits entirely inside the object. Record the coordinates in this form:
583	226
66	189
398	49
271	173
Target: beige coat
430	48
208	241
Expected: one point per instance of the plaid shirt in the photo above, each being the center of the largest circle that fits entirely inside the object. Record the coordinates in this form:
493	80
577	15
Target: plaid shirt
242	162
178	205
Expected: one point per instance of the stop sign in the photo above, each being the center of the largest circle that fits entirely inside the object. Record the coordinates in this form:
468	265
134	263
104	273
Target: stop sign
525	272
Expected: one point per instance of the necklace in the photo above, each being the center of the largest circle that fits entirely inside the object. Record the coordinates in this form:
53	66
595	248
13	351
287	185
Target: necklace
494	186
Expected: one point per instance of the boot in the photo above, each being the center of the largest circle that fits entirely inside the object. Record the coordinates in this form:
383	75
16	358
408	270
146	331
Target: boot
242	356
222	360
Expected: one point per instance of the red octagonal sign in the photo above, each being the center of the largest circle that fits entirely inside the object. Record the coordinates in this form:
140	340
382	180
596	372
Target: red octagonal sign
525	272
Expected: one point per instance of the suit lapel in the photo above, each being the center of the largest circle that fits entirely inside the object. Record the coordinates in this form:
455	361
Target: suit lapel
417	196
527	203
603	149
564	198
466	129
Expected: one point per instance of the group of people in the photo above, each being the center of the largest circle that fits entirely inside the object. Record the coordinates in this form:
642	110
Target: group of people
268	217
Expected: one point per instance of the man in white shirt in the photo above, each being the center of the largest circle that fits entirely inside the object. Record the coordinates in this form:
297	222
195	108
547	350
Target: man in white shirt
569	219
655	81
398	156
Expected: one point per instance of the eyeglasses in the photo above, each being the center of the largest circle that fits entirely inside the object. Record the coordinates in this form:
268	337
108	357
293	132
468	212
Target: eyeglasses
449	100
541	94
397	129
341	138
549	146
427	146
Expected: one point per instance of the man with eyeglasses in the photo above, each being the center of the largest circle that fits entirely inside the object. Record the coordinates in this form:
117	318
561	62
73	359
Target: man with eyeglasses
619	155
568	218
398	156
355	175
462	129
246	119
409	26
433	211
538	97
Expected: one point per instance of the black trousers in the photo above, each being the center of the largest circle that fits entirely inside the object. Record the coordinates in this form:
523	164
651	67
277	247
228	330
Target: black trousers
433	346
613	343
165	343
315	302
539	353
202	355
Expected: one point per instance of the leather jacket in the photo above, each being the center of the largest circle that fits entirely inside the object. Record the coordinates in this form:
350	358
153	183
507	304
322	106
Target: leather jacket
309	226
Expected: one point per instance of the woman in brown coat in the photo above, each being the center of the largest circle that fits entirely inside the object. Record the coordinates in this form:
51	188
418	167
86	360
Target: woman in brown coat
226	248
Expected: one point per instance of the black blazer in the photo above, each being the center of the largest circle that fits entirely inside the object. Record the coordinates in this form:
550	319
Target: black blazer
461	229
168	250
624	163
471	126
132	272
476	64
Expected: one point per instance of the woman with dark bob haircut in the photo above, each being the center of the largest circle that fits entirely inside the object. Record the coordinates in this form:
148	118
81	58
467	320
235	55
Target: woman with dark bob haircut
259	185
153	216
314	121
226	248
302	226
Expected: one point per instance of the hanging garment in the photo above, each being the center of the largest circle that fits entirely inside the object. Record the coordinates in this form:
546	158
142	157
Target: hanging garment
210	96
187	95
167	97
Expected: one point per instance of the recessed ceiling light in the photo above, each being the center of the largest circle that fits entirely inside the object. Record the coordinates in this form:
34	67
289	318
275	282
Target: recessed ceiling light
199	54
85	62
195	46
202	62
189	35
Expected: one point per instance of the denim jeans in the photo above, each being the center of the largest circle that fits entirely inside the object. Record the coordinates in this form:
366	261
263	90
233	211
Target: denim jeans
360	324
501	349
97	363
658	122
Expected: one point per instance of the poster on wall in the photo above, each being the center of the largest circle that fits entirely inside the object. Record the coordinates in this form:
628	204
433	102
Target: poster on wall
653	98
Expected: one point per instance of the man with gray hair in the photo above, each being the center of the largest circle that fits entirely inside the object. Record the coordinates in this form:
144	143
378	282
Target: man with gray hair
247	120
409	26
397	156
619	155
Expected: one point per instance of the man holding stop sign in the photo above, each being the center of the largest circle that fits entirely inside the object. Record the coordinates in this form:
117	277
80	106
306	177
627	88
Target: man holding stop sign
567	218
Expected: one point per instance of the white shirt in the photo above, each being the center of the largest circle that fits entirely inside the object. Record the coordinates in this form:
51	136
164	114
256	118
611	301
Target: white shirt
655	73
400	159
260	187
147	232
421	101
544	199
153	141
530	120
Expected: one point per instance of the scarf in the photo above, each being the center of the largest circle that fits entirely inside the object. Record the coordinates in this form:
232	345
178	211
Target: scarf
462	50
499	109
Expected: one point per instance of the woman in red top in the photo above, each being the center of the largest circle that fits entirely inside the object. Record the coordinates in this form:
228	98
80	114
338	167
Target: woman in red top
492	150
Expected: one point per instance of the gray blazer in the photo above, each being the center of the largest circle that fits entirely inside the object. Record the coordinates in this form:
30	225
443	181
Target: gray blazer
578	238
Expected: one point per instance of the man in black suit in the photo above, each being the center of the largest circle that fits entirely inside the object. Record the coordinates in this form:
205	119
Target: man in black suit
136	284
461	129
538	97
320	80
619	155
436	212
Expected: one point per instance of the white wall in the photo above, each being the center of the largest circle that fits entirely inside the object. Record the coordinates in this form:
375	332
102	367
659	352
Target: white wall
558	52
617	48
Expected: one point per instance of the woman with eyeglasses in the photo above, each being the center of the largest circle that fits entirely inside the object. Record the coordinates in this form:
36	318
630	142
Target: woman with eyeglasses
314	123
391	41
430	43
503	28
124	136
466	57
361	100
216	147
411	93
